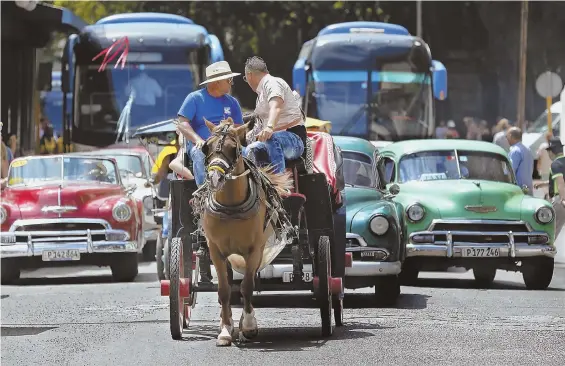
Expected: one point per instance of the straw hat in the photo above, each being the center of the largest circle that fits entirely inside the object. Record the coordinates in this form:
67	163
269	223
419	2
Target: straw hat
318	124
218	71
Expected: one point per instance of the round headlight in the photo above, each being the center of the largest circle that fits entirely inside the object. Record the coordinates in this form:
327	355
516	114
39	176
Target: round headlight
148	203
415	212
121	212
379	225
3	215
544	215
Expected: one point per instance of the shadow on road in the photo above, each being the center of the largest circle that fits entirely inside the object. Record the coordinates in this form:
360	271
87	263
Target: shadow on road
471	284
286	339
80	280
350	301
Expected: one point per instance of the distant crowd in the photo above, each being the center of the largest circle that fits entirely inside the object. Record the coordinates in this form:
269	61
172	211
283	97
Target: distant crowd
473	129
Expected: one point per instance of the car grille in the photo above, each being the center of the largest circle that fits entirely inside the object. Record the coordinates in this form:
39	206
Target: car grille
479	232
65	229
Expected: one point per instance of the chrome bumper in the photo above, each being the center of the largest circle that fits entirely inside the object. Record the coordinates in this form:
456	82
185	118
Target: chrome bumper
115	241
454	249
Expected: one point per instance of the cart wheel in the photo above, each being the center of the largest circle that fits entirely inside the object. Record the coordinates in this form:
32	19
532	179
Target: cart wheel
324	295
159	258
177	307
337	305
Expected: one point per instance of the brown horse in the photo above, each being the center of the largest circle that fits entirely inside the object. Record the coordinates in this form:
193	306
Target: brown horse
241	207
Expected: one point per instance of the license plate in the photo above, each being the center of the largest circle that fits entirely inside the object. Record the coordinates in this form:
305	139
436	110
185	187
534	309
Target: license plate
61	255
288	276
480	252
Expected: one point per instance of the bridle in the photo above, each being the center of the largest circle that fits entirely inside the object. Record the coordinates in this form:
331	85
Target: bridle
225	165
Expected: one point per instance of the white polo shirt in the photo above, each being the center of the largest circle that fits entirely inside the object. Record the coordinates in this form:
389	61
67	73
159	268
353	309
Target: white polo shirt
270	87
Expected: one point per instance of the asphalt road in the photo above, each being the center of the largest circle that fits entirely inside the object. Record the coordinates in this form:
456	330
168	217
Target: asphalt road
85	319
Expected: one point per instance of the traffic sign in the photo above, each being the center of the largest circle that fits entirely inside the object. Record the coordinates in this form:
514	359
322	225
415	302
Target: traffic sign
549	85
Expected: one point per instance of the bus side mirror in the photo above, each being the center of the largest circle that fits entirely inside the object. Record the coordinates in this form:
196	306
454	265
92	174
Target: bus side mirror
44	77
439	80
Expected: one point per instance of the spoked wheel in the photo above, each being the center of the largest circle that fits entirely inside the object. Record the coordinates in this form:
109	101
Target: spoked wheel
177	304
160	258
324	295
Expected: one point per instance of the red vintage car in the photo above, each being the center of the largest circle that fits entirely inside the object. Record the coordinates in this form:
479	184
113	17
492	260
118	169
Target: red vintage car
68	209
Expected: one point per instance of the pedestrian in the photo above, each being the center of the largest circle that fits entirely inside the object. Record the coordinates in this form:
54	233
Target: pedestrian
441	130
556	182
48	143
451	130
521	159
283	135
500	137
542	156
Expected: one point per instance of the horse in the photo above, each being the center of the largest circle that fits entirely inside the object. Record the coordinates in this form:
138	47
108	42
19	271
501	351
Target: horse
241	208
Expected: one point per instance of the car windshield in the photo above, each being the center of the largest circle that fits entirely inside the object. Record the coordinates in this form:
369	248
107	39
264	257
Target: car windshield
38	171
540	124
449	164
129	165
357	169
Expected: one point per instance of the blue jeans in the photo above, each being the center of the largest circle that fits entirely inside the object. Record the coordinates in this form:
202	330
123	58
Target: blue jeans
197	157
282	145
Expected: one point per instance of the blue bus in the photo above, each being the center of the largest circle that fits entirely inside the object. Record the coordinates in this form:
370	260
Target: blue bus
167	58
371	80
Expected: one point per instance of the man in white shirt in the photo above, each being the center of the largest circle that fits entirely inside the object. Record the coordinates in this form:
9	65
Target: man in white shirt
147	90
283	134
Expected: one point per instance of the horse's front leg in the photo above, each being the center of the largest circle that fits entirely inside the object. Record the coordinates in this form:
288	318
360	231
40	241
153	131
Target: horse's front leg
248	323
226	323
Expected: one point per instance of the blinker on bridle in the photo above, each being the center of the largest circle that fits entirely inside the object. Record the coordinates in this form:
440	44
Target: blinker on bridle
226	169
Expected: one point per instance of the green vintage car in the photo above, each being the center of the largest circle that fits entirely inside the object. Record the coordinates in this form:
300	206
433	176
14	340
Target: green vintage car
374	224
463	208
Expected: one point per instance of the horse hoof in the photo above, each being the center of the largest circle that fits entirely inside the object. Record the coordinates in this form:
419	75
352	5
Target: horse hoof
250	334
223	342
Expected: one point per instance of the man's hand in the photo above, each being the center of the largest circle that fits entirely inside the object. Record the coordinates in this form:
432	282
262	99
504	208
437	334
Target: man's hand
265	134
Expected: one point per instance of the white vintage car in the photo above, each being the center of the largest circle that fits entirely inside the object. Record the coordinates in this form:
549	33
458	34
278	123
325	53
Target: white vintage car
135	165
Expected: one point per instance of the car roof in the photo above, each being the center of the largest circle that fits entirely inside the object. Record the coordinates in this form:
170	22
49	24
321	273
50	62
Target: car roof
411	146
348	143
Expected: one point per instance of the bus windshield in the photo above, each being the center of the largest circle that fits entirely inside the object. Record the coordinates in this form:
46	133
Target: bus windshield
395	105
159	90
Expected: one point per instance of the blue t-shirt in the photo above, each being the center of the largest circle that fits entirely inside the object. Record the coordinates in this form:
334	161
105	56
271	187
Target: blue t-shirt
200	104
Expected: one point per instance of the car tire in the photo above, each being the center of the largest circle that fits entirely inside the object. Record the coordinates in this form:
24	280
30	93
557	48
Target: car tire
409	275
124	267
484	276
10	271
537	272
150	250
387	290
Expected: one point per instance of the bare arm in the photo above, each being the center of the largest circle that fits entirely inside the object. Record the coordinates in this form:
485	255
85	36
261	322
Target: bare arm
178	167
275	108
185	128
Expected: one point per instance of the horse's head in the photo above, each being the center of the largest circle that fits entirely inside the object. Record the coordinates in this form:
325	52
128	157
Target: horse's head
223	151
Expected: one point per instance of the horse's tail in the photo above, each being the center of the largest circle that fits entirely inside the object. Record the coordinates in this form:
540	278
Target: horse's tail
282	182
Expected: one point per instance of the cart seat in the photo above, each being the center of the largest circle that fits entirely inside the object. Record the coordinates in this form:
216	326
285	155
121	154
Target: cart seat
296	163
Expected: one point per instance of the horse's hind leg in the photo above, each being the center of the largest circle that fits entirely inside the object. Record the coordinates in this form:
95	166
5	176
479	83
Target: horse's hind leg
226	324
248	323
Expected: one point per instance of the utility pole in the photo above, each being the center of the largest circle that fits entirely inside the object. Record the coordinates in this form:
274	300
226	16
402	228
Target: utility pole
419	18
522	78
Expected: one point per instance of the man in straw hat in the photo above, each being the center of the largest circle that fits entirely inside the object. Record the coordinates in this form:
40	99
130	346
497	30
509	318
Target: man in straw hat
213	103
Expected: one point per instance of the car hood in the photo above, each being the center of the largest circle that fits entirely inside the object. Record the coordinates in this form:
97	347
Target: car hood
357	198
465	198
34	201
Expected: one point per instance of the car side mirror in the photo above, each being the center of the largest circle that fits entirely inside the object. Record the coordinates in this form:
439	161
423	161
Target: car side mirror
131	188
394	189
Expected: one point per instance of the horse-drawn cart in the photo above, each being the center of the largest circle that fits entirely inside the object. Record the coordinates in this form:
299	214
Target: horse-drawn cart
311	256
